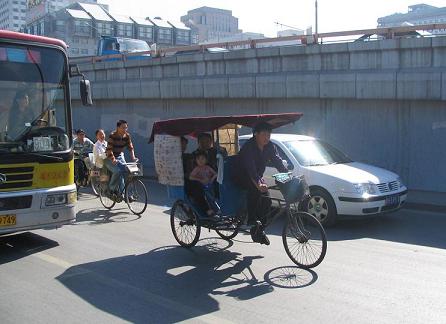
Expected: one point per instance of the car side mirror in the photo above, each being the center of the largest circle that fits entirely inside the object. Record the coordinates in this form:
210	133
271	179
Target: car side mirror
85	89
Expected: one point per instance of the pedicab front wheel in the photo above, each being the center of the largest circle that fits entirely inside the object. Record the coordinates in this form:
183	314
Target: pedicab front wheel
304	239
184	224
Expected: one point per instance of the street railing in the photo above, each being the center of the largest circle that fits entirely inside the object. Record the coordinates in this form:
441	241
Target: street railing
384	32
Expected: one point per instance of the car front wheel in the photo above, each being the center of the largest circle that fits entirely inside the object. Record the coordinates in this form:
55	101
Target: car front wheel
321	206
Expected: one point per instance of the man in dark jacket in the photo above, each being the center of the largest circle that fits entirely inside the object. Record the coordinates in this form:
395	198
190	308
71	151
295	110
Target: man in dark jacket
252	160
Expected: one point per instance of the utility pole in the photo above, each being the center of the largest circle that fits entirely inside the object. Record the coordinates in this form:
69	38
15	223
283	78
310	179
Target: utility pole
316	23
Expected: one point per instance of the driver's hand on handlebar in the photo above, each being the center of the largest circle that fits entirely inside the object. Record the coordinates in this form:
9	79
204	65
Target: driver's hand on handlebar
262	187
115	162
135	159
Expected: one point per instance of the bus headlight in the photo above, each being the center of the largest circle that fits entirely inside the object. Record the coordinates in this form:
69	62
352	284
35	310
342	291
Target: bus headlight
56	199
72	197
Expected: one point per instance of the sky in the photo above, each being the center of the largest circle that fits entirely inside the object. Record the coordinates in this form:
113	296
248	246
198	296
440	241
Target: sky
261	16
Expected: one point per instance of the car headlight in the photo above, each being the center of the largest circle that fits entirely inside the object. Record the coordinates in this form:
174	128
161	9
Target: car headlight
365	188
400	182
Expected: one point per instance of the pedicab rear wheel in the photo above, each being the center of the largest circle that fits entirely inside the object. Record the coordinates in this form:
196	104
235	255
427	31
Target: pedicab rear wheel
105	197
229	232
184	224
304	239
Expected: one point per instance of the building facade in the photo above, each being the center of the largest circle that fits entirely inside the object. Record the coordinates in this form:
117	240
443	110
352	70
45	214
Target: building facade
211	24
420	14
12	14
81	25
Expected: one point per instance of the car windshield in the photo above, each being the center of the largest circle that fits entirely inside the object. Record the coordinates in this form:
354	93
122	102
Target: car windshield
32	92
316	152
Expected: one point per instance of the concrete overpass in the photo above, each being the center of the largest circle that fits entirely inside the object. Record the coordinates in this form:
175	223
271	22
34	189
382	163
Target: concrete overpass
382	102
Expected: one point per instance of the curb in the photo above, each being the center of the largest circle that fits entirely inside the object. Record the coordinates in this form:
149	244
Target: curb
425	207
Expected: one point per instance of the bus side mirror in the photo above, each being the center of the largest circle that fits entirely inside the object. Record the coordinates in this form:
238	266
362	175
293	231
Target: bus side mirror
85	89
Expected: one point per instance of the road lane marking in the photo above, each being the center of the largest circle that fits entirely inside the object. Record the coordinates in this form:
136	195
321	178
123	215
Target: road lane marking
150	297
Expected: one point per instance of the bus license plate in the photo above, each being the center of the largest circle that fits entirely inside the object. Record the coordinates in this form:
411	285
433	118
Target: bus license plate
7	220
393	200
95	173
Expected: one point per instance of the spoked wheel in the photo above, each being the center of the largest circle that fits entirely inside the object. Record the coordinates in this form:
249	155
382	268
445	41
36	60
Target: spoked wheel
184	224
104	196
136	196
304	239
95	185
229	230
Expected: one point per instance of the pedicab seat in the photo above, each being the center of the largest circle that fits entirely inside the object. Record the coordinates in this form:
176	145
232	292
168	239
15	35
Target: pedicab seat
232	197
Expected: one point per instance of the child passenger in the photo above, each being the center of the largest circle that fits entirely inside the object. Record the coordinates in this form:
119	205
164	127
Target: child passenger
204	174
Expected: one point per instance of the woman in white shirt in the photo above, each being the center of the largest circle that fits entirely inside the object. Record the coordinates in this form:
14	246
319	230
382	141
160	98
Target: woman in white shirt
99	149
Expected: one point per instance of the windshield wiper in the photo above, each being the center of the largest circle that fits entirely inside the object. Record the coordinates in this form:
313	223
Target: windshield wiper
56	158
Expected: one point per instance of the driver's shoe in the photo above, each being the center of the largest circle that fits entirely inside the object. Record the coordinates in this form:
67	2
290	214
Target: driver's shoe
263	238
258	234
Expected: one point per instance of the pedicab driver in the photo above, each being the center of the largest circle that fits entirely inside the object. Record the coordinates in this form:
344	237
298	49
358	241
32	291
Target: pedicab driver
252	160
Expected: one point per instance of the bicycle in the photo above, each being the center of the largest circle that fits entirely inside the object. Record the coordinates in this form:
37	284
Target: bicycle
85	173
303	236
134	192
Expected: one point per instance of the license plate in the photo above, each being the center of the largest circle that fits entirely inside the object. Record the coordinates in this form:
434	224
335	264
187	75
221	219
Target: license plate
392	200
7	220
95	173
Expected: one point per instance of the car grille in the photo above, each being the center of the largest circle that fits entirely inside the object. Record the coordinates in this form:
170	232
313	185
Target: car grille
17	178
388	186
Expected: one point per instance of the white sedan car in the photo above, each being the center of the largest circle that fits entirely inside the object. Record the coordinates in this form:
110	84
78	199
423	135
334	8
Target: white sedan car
338	185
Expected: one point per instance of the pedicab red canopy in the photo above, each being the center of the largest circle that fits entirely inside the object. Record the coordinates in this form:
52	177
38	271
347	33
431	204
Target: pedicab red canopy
196	125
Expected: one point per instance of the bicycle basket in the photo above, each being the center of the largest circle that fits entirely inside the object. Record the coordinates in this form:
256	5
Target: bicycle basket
293	189
134	169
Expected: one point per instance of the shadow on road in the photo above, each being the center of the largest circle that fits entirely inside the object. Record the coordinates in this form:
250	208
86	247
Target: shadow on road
404	226
94	216
17	246
171	284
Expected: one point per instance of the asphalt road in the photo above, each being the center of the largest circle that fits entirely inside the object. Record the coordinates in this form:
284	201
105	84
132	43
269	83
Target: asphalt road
113	267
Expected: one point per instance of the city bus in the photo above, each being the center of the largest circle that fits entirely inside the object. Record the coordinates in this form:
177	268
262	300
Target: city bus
37	187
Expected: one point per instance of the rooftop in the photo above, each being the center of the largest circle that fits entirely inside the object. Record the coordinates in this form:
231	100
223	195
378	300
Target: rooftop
96	11
211	10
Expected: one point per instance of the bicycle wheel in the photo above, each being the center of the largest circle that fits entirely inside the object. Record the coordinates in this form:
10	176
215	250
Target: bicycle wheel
104	196
304	239
77	174
95	185
184	225
228	230
136	196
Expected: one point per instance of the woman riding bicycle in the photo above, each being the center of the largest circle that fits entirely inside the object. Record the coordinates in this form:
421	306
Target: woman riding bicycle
248	174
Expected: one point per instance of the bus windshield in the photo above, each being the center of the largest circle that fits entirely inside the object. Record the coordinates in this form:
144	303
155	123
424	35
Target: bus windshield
33	105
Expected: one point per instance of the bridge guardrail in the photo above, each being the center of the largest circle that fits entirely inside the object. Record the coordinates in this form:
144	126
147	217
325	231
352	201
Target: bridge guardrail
387	33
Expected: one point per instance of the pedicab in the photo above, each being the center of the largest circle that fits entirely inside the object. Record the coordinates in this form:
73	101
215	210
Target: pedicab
303	236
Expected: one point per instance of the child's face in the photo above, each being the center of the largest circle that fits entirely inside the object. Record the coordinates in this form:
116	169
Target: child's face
201	160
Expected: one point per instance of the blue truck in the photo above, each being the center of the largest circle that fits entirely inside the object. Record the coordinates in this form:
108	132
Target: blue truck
109	45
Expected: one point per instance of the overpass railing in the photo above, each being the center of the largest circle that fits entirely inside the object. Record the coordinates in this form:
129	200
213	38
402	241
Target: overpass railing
383	33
